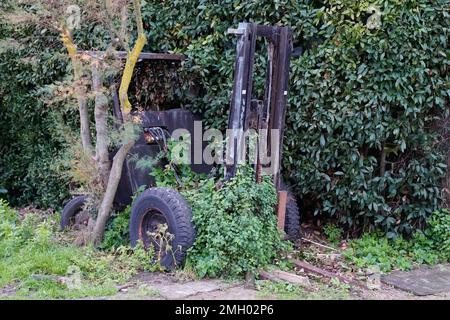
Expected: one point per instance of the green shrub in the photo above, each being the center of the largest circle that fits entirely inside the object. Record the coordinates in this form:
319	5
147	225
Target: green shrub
333	233
236	226
117	232
438	232
428	247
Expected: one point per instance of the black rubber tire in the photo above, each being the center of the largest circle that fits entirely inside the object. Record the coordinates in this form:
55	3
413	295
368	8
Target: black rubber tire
178	214
292	218
73	207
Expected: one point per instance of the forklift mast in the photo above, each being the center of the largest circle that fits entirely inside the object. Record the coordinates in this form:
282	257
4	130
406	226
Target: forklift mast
247	113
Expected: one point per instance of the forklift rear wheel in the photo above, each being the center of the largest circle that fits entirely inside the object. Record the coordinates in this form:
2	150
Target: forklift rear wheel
71	210
292	217
155	208
292	220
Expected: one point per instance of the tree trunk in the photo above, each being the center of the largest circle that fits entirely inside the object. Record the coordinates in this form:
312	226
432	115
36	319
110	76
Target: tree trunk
447	184
84	119
80	90
104	211
101	126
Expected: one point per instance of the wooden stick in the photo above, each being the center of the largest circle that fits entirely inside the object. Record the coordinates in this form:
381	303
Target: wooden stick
318	244
313	269
282	276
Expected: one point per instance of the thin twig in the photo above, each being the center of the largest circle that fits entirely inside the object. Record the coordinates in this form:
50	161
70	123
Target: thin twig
318	244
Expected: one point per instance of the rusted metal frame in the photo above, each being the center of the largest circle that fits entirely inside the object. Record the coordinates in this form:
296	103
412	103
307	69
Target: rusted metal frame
264	112
267	32
242	91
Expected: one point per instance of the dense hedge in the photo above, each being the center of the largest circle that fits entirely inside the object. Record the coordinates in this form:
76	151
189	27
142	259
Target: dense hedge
34	133
30	139
355	92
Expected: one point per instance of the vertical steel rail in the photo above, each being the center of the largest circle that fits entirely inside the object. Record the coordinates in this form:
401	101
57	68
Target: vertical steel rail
279	95
242	93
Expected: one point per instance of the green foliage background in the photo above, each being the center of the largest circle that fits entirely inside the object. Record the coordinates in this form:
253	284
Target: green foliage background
30	139
35	127
354	93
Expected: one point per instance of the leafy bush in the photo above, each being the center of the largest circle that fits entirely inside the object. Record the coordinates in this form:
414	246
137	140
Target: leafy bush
366	107
289	291
236	226
333	233
35	118
428	247
438	232
32	135
117	232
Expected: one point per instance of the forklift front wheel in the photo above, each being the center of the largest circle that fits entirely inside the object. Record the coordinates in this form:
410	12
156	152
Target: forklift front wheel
162	218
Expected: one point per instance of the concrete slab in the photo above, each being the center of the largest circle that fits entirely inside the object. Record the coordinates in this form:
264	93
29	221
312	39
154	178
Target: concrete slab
233	293
178	291
169	287
423	281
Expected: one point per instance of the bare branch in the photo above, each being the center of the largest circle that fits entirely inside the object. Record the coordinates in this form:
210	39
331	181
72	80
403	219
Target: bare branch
101	126
79	89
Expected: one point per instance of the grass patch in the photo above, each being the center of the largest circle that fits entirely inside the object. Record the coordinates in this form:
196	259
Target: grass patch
429	247
288	291
42	267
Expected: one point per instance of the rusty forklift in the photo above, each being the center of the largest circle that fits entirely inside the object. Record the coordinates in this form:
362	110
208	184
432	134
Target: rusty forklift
157	206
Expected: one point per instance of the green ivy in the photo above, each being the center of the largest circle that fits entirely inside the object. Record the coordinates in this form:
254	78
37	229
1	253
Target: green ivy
117	231
236	226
